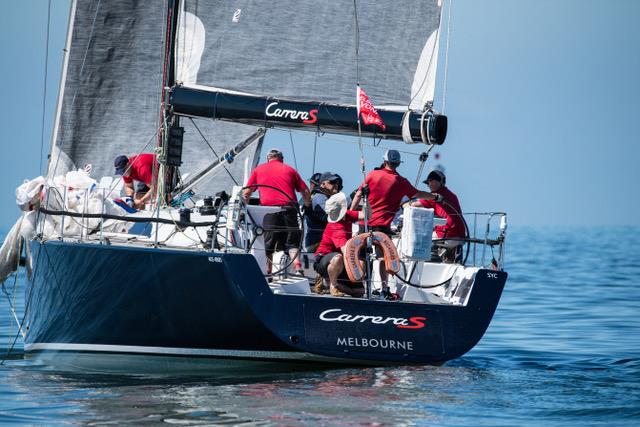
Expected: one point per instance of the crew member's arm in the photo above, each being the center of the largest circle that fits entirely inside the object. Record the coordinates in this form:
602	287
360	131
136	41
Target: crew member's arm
306	196
356	200
128	189
428	196
411	192
366	211
246	193
302	188
139	203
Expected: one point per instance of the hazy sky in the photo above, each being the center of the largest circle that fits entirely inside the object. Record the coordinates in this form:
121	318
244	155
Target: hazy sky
541	97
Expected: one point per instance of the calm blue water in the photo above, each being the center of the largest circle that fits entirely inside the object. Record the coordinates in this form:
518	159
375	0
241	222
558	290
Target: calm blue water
563	349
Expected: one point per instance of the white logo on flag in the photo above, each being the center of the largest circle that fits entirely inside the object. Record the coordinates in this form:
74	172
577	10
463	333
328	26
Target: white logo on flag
366	110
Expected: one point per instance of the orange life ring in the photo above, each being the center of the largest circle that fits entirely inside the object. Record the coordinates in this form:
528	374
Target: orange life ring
355	266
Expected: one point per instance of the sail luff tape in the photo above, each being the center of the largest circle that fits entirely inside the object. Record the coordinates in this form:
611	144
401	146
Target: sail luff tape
215	106
422	128
406	131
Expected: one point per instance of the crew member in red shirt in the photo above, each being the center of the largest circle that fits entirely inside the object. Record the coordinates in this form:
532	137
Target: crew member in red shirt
449	209
139	169
386	191
329	261
285	181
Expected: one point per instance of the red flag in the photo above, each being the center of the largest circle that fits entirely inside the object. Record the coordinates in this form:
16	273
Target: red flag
367	111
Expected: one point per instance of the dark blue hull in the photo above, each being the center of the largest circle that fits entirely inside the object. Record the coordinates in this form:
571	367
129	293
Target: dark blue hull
101	298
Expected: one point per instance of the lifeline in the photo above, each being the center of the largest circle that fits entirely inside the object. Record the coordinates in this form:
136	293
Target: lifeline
375	343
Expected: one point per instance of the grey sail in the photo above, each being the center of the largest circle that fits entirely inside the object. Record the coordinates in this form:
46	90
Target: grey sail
111	88
306	50
111	94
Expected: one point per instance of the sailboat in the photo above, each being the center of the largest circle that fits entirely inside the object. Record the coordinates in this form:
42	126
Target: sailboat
200	84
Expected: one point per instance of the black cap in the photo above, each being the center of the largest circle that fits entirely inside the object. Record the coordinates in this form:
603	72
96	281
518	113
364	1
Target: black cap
120	164
436	175
315	178
329	176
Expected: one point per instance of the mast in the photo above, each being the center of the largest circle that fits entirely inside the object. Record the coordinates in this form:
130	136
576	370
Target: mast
170	136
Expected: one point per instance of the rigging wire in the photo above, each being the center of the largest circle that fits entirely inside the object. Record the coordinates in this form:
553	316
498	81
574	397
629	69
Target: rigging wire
11	298
293	149
44	90
357	25
355	14
212	150
26	311
362	158
333	138
423	160
446	59
315	149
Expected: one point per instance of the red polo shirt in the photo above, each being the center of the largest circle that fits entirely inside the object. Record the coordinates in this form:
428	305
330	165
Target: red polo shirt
336	234
140	168
279	175
454	226
386	190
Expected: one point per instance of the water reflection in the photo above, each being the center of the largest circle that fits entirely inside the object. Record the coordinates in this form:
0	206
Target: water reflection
370	396
563	349
413	395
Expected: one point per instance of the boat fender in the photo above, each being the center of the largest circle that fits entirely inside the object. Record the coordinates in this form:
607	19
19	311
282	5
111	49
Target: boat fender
355	266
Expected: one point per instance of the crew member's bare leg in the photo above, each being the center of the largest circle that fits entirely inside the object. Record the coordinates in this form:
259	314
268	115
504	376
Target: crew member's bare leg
336	266
297	265
269	262
334	269
384	277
